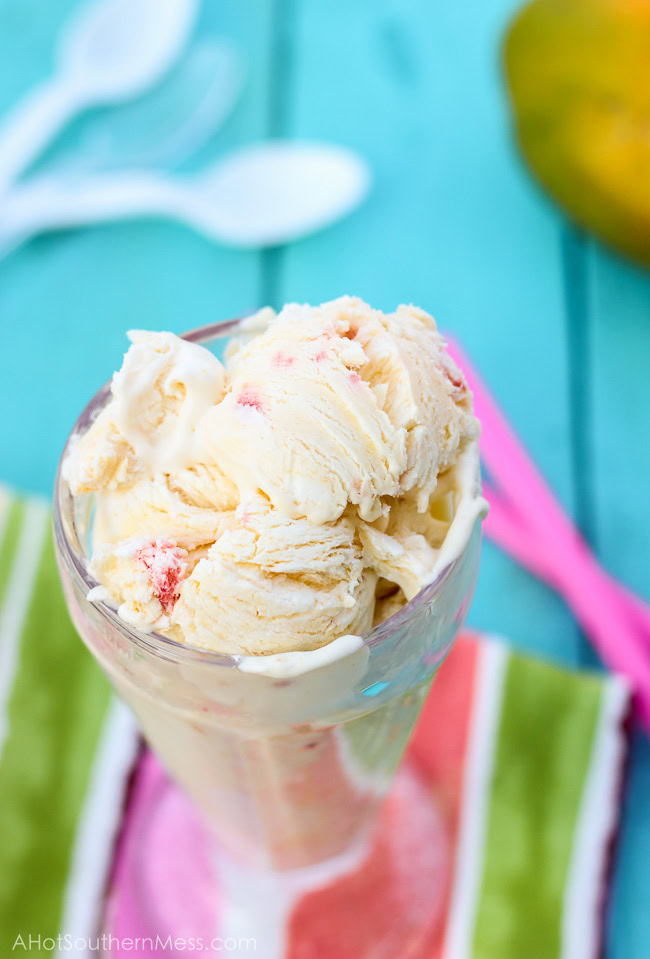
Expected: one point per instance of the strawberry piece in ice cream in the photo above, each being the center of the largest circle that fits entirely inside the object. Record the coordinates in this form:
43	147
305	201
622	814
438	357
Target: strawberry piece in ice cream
282	360
166	564
249	397
451	372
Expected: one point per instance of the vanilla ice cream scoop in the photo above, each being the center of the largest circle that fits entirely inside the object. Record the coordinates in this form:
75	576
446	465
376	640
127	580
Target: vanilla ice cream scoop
159	396
273	583
420	389
296	495
300	423
153	508
341	404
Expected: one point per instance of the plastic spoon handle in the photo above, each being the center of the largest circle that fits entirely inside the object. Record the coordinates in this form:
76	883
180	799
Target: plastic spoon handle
591	596
511	534
32	124
514	539
46	205
581	582
524	486
596	608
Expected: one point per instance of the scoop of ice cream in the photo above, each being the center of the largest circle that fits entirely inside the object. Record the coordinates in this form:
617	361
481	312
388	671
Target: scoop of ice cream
298	495
406	561
341	404
153	508
404	547
204	486
158	397
101	459
274	584
301	424
420	389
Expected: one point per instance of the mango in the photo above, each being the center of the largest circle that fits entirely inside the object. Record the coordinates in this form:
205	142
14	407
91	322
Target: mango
578	74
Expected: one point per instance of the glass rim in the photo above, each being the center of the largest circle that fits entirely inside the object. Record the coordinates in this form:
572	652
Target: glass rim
77	565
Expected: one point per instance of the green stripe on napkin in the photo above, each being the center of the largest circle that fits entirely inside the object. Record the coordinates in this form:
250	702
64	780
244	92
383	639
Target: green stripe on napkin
538	803
11	514
537	784
54	704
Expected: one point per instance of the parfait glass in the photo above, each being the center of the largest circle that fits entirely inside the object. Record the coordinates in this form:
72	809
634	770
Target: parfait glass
317	847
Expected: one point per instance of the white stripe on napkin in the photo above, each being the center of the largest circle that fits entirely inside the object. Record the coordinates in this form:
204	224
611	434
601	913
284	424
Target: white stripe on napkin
5	500
595	826
98	826
479	765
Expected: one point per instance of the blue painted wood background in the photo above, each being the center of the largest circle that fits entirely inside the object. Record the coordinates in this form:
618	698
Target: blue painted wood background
559	327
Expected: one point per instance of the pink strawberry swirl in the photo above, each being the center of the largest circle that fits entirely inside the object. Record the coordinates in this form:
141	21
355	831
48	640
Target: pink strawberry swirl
166	564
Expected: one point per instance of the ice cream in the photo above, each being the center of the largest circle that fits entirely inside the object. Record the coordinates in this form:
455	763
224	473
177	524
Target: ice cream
289	497
274	584
274	509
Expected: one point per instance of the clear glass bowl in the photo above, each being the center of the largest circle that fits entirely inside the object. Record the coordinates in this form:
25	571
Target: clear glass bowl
289	773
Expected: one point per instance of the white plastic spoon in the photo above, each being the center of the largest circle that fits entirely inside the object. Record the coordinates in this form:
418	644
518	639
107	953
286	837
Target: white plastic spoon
166	125
263	195
113	50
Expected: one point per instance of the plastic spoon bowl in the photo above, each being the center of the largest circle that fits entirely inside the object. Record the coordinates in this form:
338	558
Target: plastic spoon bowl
116	48
112	51
165	126
275	192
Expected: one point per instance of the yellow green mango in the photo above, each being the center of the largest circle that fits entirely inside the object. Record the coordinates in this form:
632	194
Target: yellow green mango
578	73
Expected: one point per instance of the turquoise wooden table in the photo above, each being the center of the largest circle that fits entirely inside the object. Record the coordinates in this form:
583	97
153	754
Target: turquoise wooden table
559	327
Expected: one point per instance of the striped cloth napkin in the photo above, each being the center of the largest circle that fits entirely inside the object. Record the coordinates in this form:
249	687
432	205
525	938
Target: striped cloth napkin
528	775
525	762
66	749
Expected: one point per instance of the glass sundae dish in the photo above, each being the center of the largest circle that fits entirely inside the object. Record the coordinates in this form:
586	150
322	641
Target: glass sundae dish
268	533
